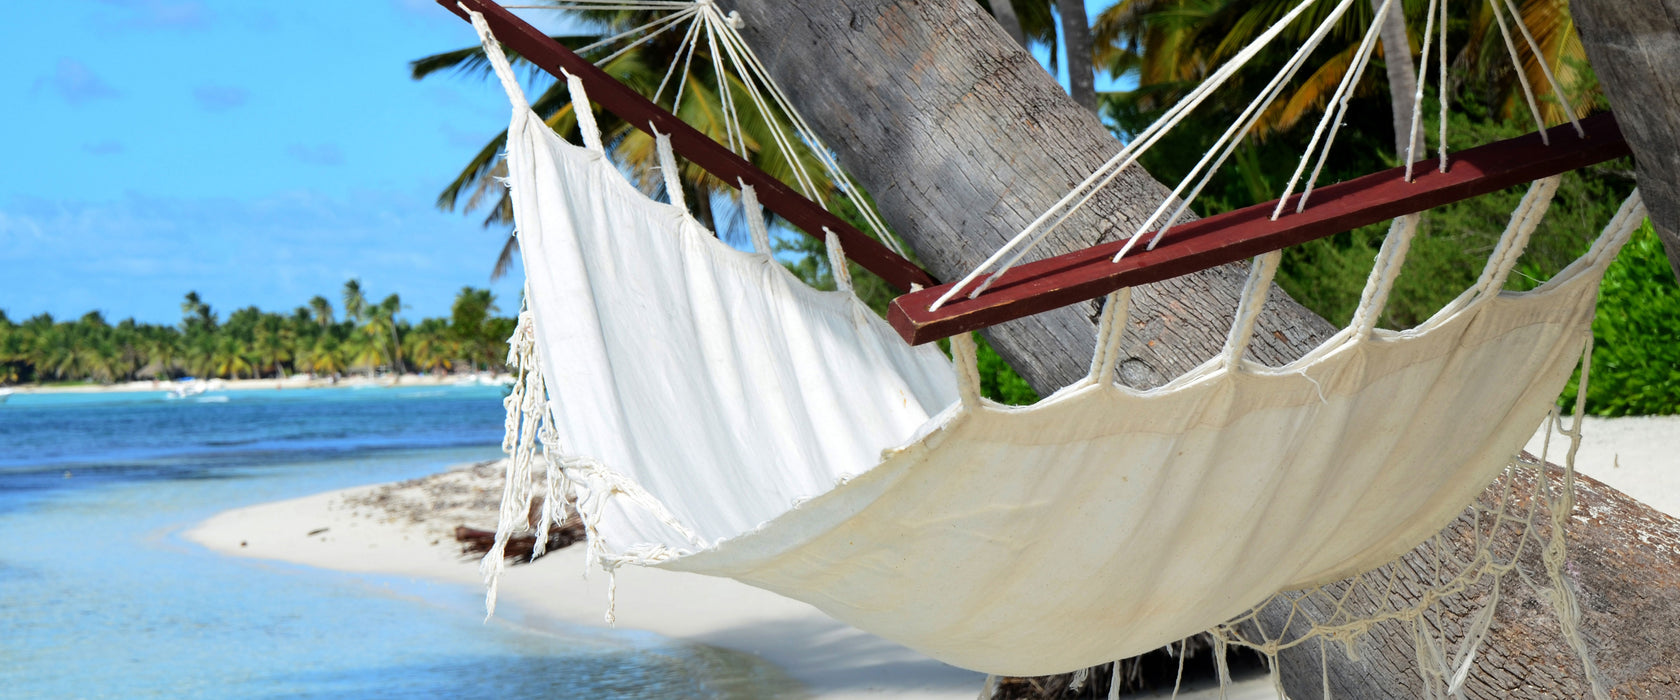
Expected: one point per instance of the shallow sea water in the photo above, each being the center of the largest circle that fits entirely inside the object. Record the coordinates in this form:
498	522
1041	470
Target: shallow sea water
100	597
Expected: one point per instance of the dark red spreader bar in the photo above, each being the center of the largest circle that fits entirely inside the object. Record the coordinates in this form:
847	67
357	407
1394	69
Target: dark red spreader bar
698	148
1087	274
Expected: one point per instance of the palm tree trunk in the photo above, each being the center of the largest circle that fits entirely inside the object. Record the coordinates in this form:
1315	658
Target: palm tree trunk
1632	46
1076	40
1402	77
966	139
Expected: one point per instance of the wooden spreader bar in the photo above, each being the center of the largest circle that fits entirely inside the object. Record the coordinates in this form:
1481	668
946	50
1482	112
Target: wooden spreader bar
698	148
1087	274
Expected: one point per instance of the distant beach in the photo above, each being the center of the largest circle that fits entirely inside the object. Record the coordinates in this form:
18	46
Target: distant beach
297	381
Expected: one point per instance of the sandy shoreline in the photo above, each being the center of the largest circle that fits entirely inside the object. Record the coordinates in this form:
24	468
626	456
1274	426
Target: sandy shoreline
406	529
833	660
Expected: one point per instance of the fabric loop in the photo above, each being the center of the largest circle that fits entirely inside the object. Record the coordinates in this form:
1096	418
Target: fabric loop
1117	308
1514	241
498	59
1391	258
965	356
754	214
668	168
1248	310
837	262
585	114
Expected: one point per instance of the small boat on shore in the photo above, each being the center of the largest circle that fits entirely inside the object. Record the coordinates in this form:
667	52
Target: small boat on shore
188	388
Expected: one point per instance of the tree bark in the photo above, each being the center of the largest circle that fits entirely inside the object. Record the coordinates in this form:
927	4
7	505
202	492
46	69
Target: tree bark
1076	45
1634	46
962	138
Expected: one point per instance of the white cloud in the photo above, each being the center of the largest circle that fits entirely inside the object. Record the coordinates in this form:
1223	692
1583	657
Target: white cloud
76	83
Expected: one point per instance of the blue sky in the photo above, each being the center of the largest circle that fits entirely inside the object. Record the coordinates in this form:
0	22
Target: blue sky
258	153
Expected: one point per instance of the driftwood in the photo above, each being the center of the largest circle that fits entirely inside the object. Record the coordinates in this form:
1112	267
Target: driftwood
519	547
962	138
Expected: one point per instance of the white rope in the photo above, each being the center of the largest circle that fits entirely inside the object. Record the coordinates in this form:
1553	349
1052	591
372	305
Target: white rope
752	73
1332	111
1248	309
1442	87
609	5
965	359
806	184
1522	76
673	20
1257	108
1110	329
1555	554
608	41
1227	144
754	214
584	113
731	120
688	64
1545	69
837	262
1364	60
1514	241
1391	258
1107	172
686	46
824	154
668	168
498	60
1417	98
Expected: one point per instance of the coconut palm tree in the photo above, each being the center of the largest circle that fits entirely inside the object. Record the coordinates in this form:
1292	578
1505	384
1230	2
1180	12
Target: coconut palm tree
384	314
355	302
431	346
197	315
323	358
322	310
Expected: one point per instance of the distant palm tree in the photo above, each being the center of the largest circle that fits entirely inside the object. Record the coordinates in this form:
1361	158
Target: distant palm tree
386	314
228	359
469	318
324	358
355	303
322	309
431	346
196	314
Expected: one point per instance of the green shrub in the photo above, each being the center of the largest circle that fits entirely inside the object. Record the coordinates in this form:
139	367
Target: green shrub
1635	361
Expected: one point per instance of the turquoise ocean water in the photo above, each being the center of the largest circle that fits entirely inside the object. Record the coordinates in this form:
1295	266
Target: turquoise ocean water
100	596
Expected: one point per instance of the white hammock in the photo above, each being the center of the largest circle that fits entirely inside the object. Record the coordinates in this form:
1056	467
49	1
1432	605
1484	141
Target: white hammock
711	413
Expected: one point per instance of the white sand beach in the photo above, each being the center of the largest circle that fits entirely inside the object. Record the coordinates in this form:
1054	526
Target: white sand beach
407	530
296	381
1639	456
832	659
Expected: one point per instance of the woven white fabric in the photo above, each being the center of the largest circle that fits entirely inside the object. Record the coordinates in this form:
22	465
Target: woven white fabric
794	442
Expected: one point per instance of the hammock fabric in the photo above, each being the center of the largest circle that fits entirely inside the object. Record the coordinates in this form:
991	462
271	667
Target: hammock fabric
714	414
